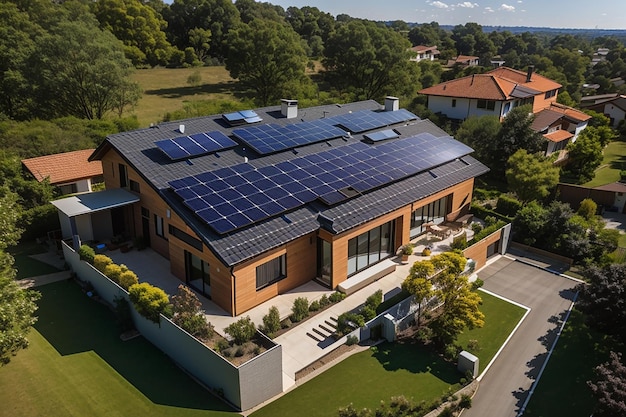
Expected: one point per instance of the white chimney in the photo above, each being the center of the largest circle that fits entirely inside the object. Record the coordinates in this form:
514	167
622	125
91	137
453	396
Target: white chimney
392	103
289	108
181	128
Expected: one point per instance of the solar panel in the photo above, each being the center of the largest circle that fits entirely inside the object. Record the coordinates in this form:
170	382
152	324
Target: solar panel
381	135
241	117
234	197
365	120
195	145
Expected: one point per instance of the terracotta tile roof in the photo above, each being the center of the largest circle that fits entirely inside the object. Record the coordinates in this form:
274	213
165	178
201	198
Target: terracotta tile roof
558	136
423	48
498	84
64	167
465	58
569	112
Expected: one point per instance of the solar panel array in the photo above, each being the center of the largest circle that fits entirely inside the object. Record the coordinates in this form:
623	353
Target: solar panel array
381	135
270	138
242	117
195	145
233	197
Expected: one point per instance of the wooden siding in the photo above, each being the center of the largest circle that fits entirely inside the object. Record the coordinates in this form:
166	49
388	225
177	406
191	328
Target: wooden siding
478	251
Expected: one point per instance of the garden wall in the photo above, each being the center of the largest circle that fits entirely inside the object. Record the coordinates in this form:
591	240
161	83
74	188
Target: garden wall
244	387
479	250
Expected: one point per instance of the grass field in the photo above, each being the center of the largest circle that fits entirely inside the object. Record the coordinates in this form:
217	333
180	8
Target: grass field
368	377
26	266
166	90
562	390
614	160
77	365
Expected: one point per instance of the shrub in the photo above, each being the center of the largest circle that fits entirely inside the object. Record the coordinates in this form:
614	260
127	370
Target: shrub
242	330
187	313
446	412
450	352
477	284
374	300
368	312
324	301
86	253
128	278
336	297
352	340
315	306
38	221
466	401
486	232
101	261
477	227
508	206
473	345
300	309
271	321
459	242
196	326
221	345
113	272
424	334
285	324
347	322
149	301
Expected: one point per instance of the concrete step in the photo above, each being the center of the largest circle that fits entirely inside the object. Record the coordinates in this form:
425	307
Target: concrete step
321	333
331	323
327	328
315	337
332	318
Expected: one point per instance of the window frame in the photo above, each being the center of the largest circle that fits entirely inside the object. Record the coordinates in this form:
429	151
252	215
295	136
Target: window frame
269	269
159	226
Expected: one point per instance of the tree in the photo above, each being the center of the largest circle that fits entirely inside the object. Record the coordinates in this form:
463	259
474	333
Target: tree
481	133
587	209
369	61
199	40
609	388
81	70
460	305
585	155
149	301
187	313
268	57
418	283
242	331
17	306
531	176
529	222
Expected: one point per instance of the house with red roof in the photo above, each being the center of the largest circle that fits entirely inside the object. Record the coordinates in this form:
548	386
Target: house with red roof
422	52
71	172
499	91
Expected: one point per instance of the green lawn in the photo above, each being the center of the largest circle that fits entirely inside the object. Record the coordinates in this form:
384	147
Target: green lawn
366	378
562	390
614	160
166	90
77	365
26	266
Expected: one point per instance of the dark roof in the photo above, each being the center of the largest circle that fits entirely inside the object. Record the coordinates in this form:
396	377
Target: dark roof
138	149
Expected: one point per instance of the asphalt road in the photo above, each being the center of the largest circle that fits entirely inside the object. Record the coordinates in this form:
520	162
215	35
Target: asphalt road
506	385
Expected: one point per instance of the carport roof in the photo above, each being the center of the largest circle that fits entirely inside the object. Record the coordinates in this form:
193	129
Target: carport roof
93	202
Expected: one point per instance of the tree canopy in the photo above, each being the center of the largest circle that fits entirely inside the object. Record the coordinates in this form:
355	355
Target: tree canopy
531	176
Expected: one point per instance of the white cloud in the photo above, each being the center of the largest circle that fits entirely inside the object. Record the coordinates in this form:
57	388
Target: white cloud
519	2
468	5
489	9
439	4
507	8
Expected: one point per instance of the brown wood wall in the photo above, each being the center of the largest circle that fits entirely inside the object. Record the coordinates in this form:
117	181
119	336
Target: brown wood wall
478	252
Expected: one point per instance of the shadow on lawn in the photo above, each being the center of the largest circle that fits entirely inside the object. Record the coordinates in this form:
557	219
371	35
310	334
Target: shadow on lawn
73	323
415	358
178	92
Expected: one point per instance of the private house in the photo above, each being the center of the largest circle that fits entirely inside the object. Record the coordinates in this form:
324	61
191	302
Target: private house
251	204
612	106
70	172
422	52
499	91
464	61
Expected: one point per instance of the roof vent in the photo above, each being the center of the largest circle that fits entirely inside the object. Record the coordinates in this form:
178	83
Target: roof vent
392	103
181	128
289	108
529	73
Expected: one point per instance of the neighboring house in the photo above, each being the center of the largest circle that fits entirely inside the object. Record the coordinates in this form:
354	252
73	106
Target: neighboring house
421	53
609	197
599	56
71	172
463	60
252	204
502	89
612	106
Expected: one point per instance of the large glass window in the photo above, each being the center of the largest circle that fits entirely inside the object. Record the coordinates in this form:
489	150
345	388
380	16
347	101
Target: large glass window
370	247
198	275
434	212
324	260
158	226
271	272
123	176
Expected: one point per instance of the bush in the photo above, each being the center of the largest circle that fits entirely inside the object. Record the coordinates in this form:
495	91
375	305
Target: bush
300	309
221	345
347	322
486	232
466	401
196	326
127	279
187	313
508	206
86	253
477	284
242	330
477	227
336	297
483	212
149	301
446	412
374	300
459	242
271	321
113	272
424	334
473	345
38	221
324	301
450	352
352	340
368	312
101	261
315	306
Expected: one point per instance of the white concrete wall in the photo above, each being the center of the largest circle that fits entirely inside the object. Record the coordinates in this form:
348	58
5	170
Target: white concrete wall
579	128
84	228
615	113
464	107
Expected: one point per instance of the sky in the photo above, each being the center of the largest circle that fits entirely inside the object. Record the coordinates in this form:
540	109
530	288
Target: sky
587	14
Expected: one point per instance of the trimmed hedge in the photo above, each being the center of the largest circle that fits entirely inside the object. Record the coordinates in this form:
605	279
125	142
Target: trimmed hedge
486	232
482	212
508	205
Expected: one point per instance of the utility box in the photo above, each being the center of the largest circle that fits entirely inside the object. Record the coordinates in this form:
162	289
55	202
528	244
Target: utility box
468	362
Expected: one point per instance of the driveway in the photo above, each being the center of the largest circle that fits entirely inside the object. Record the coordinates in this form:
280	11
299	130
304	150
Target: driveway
506	385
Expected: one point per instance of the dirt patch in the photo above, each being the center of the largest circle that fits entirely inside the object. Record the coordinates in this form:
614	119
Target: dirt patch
324	361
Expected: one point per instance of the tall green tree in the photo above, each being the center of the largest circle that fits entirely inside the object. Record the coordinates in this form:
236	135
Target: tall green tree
17	306
268	57
609	387
481	133
369	61
585	155
138	26
531	176
418	283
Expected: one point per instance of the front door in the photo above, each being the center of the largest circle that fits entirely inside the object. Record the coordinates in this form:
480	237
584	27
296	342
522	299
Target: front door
197	273
145	225
324	261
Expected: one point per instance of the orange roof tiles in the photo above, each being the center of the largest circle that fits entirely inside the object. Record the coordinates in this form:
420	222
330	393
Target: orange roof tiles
423	48
558	136
570	112
497	84
64	167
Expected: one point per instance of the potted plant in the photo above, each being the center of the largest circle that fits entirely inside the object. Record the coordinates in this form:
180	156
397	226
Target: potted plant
405	251
426	251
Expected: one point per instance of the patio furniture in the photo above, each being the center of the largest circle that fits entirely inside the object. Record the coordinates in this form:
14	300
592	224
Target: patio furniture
439	230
